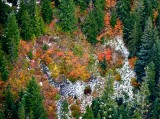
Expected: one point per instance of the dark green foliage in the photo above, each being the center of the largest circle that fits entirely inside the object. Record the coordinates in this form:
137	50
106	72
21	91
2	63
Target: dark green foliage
47	12
4	11
21	111
30	55
65	109
123	8
33	101
144	55
1	114
10	110
67	16
94	22
88	114
136	32
113	19
95	107
155	113
3	67
82	3
103	64
45	47
89	28
27	32
10	43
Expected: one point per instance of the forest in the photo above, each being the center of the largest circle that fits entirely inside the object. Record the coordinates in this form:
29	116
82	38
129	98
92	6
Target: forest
79	59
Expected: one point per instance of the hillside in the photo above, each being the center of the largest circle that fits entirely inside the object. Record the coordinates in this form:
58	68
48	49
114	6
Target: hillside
79	59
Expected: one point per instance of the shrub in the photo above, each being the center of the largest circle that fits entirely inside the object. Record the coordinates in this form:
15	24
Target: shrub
118	77
87	90
134	82
75	110
78	50
45	47
30	55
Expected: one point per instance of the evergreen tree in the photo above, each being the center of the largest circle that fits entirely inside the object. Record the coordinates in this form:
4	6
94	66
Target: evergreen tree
95	107
108	106
1	114
67	15
3	67
113	19
33	101
4	11
47	12
94	22
155	113
65	109
82	3
143	97
10	110
21	111
136	115
89	28
26	28
88	114
135	41
123	8
150	76
144	55
11	39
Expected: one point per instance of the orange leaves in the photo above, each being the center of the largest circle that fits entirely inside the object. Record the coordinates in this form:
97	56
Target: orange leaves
59	54
132	62
110	3
47	59
105	54
107	19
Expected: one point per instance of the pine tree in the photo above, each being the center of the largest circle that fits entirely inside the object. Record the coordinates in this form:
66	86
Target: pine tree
21	111
82	3
4	11
33	101
144	94
108	106
3	67
1	114
144	55
27	32
47	12
123	8
65	109
11	39
95	107
136	33
88	114
89	28
67	15
10	110
113	20
150	76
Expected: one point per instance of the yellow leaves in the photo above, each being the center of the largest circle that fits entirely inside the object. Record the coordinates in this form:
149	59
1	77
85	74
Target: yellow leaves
54	69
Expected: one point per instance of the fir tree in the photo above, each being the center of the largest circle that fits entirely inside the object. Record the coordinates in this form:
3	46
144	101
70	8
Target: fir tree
88	114
144	55
47	12
33	101
67	15
113	20
21	111
1	114
11	38
95	107
10	110
108	105
3	67
82	3
27	32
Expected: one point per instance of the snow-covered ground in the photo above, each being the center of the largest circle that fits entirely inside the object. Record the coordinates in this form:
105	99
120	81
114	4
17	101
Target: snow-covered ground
127	73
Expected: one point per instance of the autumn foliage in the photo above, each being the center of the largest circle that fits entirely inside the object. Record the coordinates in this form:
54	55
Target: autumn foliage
105	54
132	62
